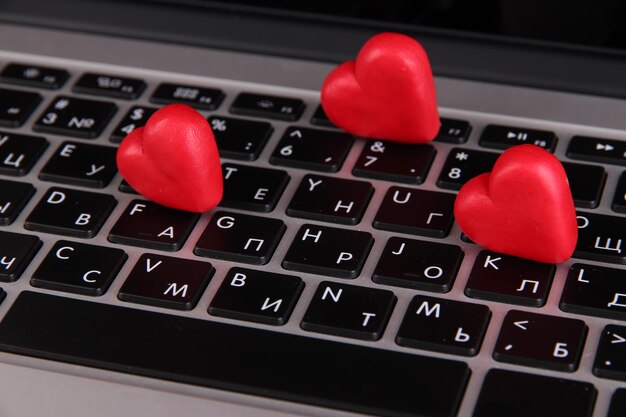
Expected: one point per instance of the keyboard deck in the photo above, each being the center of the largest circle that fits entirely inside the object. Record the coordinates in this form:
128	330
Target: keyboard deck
332	273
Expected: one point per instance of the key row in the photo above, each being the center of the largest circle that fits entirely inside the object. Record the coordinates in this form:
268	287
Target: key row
338	309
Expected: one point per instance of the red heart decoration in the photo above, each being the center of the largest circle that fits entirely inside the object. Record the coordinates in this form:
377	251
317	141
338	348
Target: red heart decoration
173	160
524	207
387	93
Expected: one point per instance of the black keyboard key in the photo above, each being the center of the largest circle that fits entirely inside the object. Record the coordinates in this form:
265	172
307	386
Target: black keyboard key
453	131
508	279
81	164
595	291
444	326
503	137
606	151
319	118
418	212
600	238
109	86
618	403
349	311
13	198
541	341
70	212
150	225
75	117
79	268
16	106
18	153
515	394
271	107
586	183
619	199
252	188
126	188
34	76
257	296
240	237
464	164
328	251
397	162
137	116
45	326
330	199
198	97
16	252
239	138
157	280
610	361
426	266
312	149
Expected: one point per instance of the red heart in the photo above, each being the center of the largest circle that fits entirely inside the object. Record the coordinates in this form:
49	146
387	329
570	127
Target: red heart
173	160
387	93
524	207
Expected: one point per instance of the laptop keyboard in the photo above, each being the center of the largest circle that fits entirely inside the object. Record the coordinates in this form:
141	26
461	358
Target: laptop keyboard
332	272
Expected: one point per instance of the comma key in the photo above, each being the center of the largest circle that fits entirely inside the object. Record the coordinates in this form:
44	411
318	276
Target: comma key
601	238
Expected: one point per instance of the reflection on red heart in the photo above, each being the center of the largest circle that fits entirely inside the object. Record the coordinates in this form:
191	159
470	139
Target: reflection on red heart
173	160
387	93
524	207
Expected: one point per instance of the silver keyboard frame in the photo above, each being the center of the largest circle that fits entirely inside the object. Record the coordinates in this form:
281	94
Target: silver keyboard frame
33	386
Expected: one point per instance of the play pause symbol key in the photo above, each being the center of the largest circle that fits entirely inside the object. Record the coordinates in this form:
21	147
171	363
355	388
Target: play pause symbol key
503	137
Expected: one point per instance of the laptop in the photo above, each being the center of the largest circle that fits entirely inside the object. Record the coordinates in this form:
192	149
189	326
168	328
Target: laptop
332	279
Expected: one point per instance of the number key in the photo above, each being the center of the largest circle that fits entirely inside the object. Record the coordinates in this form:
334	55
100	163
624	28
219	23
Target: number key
137	116
464	164
318	150
75	117
239	138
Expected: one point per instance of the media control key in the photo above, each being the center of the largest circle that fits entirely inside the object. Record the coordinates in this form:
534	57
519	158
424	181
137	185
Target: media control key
371	381
349	311
453	131
271	107
109	86
198	97
619	200
503	137
607	151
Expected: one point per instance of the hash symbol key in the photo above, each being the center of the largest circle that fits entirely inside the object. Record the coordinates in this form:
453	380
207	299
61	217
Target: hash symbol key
75	117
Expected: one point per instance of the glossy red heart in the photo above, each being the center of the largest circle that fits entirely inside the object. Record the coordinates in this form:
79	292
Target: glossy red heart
173	160
524	207
387	93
